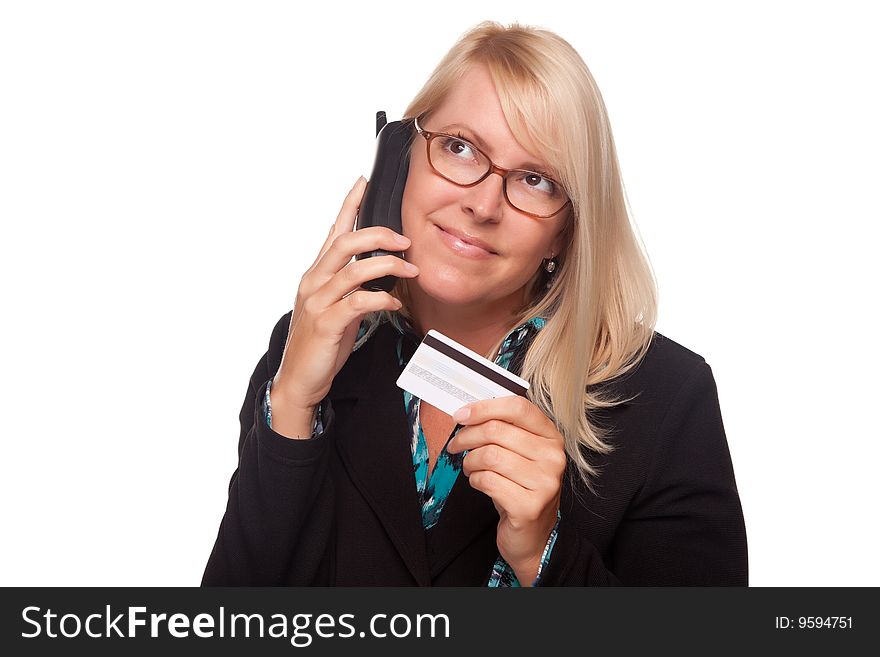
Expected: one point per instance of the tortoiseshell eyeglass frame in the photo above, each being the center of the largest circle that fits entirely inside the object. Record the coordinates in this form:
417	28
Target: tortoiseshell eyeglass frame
493	168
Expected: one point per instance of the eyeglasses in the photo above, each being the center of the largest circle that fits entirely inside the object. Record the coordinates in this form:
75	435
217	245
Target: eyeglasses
459	161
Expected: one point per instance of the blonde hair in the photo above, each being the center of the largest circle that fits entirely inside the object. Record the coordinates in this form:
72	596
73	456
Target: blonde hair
601	307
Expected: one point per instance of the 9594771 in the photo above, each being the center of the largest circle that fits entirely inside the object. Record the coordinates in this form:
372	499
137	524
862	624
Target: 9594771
814	622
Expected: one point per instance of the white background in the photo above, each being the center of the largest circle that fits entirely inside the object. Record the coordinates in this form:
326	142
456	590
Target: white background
168	170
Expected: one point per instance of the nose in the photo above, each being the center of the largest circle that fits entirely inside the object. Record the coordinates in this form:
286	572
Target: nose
485	200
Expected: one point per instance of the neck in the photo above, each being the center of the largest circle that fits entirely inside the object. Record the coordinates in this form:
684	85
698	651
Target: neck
477	326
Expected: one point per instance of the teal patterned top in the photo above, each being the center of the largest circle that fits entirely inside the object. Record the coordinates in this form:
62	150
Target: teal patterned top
434	489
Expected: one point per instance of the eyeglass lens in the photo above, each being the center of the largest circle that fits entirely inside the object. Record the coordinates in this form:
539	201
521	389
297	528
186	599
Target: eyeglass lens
463	163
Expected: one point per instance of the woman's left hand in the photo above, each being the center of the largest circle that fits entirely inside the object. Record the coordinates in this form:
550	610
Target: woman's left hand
517	457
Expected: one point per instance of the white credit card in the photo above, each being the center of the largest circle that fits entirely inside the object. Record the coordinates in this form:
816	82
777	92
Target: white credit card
448	375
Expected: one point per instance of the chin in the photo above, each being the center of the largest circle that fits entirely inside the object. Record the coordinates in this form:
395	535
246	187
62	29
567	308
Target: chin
449	285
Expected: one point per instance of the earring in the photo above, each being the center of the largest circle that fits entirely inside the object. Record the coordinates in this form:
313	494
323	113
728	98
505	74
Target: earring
549	267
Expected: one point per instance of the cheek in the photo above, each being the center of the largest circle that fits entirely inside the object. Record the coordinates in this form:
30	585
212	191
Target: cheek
423	196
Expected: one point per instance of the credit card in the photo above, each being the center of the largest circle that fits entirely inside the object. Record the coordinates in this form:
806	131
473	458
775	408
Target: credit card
448	375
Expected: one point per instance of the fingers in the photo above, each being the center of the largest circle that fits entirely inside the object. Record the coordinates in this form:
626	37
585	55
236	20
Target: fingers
511	498
347	245
510	465
357	304
534	463
348	280
347	214
520	488
497	432
515	409
336	272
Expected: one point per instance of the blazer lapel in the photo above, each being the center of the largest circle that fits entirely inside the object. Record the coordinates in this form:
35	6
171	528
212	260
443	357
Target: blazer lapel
376	448
466	515
467	512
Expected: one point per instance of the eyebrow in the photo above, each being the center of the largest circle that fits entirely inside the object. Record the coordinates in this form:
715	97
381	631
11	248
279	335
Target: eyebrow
532	166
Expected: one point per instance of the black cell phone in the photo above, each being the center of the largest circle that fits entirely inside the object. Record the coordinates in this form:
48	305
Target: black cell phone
380	205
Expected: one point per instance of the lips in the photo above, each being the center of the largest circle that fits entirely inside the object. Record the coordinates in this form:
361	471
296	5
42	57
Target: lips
468	239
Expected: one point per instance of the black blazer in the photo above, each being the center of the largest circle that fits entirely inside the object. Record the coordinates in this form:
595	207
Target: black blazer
342	509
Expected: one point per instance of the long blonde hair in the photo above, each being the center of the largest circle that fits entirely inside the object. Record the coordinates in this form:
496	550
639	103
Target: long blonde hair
601	308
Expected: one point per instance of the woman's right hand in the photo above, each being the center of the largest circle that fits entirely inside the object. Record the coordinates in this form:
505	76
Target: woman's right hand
328	311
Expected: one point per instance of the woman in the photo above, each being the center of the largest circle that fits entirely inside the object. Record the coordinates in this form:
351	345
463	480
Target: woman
614	470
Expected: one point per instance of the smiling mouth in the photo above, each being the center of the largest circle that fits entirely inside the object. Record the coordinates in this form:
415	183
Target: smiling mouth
462	246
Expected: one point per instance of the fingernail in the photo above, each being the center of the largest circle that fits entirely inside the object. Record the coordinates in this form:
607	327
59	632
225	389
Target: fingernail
401	239
461	414
411	267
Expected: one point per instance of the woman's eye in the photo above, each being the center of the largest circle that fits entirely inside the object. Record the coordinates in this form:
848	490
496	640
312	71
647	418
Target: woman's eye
539	183
458	146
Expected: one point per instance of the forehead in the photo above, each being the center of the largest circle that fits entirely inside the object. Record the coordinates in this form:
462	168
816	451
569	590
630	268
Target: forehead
473	106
